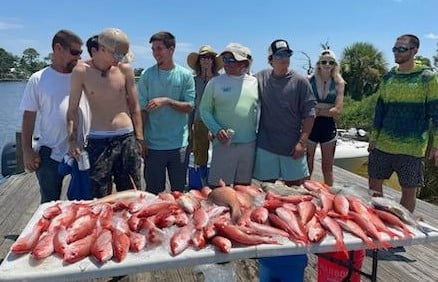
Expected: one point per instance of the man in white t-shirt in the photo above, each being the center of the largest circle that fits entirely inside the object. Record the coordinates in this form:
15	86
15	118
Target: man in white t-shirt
46	95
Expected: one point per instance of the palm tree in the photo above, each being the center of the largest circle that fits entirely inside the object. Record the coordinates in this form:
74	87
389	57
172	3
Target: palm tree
363	67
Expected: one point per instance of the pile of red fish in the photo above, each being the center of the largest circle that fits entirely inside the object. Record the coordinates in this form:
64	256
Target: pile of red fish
110	227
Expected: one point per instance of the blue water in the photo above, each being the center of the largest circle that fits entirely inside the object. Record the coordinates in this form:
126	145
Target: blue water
10	115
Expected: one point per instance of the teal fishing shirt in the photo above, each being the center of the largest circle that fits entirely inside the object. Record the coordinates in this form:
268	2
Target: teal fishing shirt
165	127
407	105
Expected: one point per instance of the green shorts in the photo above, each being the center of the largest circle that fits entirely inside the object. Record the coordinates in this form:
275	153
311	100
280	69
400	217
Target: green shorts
269	166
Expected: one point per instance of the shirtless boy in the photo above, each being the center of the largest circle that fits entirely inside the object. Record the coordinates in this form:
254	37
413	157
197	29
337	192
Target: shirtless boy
116	135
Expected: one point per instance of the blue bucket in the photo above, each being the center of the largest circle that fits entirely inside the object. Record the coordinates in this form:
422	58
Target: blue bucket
284	268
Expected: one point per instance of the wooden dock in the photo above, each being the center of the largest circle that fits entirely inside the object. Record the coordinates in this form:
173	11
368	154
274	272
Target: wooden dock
19	199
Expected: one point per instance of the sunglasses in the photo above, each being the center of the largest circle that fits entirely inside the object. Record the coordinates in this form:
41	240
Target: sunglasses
75	52
119	56
331	63
205	58
401	49
228	60
282	55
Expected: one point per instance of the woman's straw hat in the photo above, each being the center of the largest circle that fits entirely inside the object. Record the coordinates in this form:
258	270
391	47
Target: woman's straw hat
192	58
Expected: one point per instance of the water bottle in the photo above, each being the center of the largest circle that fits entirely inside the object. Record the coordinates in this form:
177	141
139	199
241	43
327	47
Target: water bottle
230	133
83	161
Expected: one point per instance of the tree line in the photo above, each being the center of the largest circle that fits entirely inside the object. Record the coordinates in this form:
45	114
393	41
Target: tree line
13	67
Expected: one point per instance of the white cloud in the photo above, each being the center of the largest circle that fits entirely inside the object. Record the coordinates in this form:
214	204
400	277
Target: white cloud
9	24
432	36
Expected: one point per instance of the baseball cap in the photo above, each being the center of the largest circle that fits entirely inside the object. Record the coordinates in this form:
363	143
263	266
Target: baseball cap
116	41
240	52
327	53
279	45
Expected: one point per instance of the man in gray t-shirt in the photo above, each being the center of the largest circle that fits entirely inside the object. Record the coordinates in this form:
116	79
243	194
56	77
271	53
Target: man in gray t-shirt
287	115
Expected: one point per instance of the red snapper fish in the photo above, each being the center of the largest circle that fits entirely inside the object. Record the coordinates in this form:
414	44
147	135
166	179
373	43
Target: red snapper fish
341	205
223	244
394	221
26	243
44	247
81	227
79	249
232	232
352	227
102	249
259	215
180	240
121	245
334	228
315	231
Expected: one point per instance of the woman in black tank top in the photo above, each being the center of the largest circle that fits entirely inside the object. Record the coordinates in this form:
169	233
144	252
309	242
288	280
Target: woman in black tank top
328	88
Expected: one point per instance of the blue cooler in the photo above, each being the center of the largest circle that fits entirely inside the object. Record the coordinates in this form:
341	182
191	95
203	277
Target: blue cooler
197	174
195	181
284	268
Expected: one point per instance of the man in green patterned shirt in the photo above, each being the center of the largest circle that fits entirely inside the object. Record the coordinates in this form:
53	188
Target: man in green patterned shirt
407	103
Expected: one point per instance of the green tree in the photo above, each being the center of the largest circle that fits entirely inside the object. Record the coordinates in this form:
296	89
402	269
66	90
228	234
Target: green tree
137	71
362	68
30	56
7	61
30	60
435	58
358	114
423	60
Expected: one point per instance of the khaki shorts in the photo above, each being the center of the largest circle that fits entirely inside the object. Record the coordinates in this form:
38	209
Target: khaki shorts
232	163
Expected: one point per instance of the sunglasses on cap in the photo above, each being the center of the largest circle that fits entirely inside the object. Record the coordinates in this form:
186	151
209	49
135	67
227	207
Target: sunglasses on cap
75	52
331	63
282	55
401	49
228	60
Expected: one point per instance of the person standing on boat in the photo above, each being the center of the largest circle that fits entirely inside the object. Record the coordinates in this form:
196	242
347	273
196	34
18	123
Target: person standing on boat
206	65
116	136
166	92
286	119
46	94
229	110
328	87
407	103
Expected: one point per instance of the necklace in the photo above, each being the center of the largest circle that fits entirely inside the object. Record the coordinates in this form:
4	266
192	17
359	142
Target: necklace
103	73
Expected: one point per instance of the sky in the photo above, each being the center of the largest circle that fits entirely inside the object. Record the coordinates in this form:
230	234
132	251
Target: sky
304	24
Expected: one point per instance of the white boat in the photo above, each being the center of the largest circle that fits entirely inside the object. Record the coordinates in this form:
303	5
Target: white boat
350	154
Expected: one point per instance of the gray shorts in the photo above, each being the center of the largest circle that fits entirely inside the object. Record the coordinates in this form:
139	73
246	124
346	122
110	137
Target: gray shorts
232	163
409	169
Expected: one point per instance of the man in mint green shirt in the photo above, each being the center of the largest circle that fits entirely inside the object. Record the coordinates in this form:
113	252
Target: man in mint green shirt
166	93
229	110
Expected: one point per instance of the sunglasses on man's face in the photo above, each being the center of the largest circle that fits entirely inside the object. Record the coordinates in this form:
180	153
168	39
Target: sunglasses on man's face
75	52
401	49
282	55
331	63
119	56
228	60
